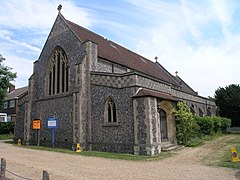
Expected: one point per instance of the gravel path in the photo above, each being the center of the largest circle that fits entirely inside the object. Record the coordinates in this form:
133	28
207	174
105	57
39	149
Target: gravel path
185	165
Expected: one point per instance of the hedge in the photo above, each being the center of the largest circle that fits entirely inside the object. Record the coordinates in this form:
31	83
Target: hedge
210	125
226	123
206	125
7	127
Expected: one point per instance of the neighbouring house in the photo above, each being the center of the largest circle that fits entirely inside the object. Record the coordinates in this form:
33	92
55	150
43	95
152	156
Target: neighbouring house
105	97
10	107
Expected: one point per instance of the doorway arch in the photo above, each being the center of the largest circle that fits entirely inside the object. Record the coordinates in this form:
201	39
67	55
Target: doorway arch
167	121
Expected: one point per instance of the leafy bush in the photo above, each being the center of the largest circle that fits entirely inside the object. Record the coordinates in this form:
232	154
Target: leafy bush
217	123
225	124
7	127
210	125
206	125
184	124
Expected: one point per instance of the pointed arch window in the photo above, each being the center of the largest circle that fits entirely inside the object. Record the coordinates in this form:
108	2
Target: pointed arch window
58	72
200	113
209	112
110	114
192	109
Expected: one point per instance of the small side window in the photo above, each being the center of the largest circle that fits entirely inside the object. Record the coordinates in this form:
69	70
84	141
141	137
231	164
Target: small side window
110	114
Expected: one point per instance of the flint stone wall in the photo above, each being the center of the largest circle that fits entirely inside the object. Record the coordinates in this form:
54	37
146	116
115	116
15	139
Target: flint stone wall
114	138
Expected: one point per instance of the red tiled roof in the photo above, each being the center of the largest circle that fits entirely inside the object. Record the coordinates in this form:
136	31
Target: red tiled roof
142	92
113	52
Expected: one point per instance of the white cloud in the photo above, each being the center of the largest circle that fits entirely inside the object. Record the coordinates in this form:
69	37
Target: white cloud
24	26
156	8
224	13
203	65
195	16
39	14
19	43
222	10
208	67
23	67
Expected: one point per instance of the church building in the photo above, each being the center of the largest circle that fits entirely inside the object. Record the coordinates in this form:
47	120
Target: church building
104	96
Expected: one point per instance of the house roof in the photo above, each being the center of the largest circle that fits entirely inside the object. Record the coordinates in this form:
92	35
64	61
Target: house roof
118	54
16	93
143	92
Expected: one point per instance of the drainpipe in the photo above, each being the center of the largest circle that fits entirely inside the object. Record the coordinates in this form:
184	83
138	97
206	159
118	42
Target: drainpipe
16	107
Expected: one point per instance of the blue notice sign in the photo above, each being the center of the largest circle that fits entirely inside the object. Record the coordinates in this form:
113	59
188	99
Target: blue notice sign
52	122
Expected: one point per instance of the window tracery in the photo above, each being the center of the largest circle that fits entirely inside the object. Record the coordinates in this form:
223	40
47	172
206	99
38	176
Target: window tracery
110	112
58	72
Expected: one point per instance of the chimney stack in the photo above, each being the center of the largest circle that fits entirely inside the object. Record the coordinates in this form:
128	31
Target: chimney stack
11	88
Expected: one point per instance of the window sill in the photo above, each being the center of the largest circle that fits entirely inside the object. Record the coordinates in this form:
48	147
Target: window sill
111	125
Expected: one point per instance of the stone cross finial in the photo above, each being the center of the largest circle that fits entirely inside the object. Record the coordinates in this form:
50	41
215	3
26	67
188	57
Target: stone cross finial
156	58
59	8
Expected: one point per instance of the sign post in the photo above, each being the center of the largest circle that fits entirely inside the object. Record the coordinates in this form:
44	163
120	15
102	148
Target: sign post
37	126
52	122
53	137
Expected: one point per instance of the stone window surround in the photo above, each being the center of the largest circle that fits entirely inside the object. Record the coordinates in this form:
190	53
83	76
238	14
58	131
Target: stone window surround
58	73
110	103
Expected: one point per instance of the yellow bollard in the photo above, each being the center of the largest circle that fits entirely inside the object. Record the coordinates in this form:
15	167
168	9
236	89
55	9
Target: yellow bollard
234	155
19	142
78	150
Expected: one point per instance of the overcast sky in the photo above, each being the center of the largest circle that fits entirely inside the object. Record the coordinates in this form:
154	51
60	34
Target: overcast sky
198	38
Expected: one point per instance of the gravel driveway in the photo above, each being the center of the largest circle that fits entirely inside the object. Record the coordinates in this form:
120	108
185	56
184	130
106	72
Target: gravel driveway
185	165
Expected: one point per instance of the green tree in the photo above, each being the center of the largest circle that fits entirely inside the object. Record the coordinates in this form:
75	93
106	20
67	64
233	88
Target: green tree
228	101
5	77
184	123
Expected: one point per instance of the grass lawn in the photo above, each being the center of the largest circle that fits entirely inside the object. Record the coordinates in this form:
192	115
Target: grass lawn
110	155
220	154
